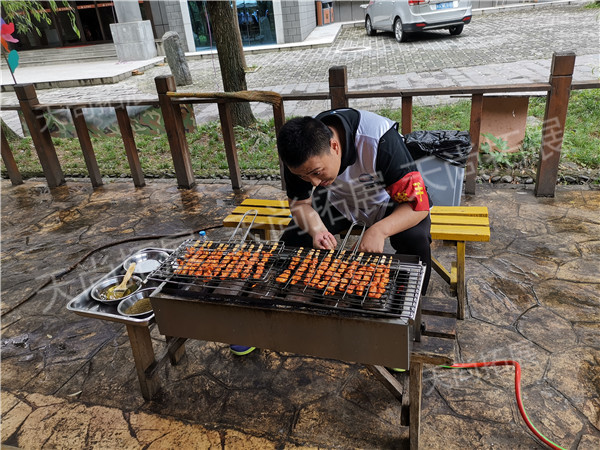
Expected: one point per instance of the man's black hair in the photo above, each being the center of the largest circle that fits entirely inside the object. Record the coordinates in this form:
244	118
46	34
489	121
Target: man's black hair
302	138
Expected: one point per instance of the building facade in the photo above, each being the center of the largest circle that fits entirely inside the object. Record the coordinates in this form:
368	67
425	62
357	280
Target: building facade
260	22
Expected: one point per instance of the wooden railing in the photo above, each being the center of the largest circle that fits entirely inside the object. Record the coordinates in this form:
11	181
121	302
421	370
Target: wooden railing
557	98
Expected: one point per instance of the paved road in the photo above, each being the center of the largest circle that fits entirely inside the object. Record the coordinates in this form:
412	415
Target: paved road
507	47
492	39
511	37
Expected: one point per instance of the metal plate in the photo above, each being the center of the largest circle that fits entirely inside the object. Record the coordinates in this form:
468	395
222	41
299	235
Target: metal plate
357	339
444	5
146	260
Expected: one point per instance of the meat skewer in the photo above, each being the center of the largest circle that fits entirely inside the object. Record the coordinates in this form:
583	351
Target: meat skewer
333	274
312	267
284	277
345	285
317	278
361	276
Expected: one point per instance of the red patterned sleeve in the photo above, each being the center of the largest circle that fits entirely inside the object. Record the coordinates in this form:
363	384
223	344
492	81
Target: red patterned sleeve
410	188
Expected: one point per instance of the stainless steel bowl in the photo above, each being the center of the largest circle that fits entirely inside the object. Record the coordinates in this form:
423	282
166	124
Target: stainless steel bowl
132	300
146	261
99	289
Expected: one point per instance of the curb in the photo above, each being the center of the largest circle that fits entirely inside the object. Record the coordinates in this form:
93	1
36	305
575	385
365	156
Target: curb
111	79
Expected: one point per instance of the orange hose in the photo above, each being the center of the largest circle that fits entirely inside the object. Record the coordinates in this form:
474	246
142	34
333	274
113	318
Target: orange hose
517	367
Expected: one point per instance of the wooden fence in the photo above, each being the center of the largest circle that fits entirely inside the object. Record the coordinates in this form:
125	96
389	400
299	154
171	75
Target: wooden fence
557	98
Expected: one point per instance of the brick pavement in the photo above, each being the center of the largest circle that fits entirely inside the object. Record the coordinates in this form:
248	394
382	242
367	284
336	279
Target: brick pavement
499	38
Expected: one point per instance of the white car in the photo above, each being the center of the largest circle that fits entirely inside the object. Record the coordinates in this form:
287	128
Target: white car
410	16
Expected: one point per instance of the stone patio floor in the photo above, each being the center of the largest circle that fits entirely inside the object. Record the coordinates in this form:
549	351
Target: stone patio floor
69	381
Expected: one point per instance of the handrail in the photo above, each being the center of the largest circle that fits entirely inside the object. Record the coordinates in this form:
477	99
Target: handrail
184	97
587	84
455	90
246	96
452	90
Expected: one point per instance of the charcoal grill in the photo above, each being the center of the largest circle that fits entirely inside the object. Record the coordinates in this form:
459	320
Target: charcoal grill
200	297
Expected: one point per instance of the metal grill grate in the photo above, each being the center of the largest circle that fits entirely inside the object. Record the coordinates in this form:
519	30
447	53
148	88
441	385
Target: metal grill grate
196	262
344	282
374	283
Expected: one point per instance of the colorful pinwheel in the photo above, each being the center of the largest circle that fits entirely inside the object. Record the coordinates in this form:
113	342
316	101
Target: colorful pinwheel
7	30
6	36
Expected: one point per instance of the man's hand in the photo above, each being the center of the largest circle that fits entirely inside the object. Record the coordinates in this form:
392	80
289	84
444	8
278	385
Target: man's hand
308	220
401	219
324	240
373	241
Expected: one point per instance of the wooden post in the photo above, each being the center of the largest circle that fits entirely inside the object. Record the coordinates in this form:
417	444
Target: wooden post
175	349
475	131
143	357
407	111
40	135
279	118
414	392
553	128
182	161
461	281
86	146
229	142
130	147
338	87
9	162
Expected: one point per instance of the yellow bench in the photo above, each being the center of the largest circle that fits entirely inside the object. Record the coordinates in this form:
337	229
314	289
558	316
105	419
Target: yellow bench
455	225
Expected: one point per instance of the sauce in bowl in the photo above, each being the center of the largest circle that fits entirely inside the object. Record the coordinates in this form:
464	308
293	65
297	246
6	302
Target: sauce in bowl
141	306
112	294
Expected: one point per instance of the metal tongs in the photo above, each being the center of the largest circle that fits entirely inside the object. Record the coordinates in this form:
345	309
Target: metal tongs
240	224
354	249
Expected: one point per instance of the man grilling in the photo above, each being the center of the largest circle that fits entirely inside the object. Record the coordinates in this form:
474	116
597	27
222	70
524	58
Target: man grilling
345	166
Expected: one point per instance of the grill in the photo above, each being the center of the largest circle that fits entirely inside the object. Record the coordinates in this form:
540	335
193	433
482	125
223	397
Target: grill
345	305
335	304
268	274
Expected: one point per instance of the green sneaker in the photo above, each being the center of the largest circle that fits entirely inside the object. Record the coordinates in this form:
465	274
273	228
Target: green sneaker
241	350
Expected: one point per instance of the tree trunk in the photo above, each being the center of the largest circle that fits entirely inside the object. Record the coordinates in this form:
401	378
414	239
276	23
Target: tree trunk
224	24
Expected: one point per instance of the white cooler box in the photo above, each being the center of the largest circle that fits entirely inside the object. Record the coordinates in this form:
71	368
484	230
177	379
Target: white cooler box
444	181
